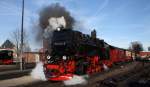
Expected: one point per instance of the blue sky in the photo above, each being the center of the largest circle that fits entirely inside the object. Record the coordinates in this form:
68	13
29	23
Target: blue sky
118	22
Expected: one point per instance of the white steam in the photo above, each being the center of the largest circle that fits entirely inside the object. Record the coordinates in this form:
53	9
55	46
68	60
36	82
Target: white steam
54	23
105	67
76	80
57	22
38	72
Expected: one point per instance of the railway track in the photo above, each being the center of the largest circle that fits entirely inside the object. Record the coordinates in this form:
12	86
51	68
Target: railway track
115	77
91	81
129	79
140	79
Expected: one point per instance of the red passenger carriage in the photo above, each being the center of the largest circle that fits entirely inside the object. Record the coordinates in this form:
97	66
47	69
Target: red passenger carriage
6	56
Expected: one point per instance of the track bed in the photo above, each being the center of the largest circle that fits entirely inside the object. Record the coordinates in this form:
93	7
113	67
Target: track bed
118	76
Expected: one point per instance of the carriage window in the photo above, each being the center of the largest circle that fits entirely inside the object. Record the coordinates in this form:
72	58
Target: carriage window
9	53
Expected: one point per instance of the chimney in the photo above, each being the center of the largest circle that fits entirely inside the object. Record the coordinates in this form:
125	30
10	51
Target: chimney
93	34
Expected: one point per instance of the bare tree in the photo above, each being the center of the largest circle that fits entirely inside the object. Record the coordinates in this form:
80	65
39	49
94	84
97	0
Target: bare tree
136	46
16	39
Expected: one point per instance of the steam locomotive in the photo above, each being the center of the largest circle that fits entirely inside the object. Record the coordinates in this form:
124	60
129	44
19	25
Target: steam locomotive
71	52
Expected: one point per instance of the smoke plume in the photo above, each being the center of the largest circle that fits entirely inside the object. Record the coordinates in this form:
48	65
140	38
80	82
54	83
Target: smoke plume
55	10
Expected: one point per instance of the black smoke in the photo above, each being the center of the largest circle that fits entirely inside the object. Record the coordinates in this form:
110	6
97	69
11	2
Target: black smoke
55	10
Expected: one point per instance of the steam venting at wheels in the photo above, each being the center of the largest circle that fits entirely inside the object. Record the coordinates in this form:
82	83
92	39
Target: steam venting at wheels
38	72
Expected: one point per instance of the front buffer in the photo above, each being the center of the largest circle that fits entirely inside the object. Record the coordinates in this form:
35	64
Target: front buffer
55	72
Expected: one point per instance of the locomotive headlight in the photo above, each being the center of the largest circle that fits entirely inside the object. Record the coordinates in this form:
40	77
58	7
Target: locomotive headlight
64	57
58	29
48	57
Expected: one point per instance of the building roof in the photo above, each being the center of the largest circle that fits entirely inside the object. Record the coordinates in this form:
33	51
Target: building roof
7	44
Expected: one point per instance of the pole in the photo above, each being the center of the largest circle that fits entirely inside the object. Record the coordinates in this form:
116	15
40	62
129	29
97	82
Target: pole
21	47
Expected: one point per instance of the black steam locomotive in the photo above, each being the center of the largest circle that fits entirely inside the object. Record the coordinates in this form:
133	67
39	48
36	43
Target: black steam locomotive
73	52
